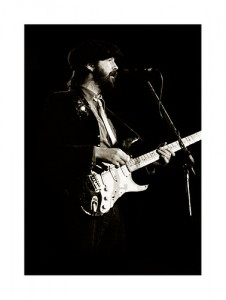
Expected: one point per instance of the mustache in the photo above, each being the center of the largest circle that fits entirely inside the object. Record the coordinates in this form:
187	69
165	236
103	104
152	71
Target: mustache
113	73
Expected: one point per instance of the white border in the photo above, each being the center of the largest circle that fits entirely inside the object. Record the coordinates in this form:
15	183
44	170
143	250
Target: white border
13	16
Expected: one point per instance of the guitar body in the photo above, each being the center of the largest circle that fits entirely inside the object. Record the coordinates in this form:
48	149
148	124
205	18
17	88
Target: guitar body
103	189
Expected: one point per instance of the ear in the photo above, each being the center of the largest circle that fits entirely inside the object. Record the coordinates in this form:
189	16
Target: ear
90	67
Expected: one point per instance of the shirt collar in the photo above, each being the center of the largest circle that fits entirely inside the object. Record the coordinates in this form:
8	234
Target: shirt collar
88	94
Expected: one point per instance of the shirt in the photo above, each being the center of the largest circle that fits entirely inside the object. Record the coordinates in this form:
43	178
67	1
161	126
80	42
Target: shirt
104	136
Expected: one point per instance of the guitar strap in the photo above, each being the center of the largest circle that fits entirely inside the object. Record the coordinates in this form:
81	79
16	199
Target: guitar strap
124	124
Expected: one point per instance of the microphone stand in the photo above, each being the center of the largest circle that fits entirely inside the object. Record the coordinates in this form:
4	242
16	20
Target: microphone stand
189	160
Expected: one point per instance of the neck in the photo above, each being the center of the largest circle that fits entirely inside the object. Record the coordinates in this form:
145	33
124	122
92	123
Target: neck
92	86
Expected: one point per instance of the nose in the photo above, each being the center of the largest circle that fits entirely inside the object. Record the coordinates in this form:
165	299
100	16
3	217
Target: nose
114	65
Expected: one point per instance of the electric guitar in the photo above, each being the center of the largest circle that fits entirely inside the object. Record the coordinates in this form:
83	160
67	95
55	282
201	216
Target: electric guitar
103	189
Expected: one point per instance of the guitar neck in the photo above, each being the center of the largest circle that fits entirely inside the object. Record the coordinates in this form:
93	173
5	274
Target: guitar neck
150	157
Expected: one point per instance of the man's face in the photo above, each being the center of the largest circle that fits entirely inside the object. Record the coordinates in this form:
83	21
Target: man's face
105	72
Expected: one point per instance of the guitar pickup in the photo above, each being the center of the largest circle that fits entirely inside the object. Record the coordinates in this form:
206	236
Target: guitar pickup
125	170
112	171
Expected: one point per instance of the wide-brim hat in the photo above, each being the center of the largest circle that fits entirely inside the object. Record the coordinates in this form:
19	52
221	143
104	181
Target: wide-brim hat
92	51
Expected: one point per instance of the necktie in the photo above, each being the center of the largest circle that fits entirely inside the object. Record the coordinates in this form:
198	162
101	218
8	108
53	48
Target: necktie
104	118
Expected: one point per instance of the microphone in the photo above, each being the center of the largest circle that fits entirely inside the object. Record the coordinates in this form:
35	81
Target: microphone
137	71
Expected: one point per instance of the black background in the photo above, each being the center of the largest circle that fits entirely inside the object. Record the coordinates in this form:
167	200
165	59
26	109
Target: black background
163	238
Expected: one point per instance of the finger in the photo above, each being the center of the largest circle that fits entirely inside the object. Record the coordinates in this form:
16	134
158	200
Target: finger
122	161
170	151
163	152
162	145
173	153
166	152
119	162
165	157
124	157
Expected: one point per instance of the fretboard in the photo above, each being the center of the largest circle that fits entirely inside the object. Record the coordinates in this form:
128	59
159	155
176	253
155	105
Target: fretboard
150	157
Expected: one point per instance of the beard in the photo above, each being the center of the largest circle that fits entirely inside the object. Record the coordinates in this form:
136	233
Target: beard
105	81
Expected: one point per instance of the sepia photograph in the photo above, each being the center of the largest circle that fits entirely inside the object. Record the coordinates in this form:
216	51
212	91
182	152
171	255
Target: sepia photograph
113	149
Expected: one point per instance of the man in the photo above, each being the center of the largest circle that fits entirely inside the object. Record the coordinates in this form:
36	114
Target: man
77	136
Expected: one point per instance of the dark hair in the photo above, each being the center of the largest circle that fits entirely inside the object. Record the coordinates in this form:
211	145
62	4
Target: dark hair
77	77
92	51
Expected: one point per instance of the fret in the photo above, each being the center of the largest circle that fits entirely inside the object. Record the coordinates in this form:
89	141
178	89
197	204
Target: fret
150	157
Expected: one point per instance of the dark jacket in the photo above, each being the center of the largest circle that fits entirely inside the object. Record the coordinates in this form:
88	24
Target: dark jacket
69	133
